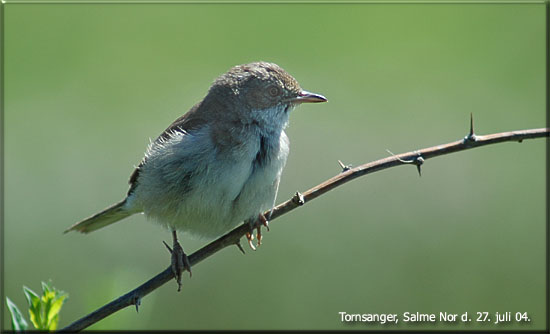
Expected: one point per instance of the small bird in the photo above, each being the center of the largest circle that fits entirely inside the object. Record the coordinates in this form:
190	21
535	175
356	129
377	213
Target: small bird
217	165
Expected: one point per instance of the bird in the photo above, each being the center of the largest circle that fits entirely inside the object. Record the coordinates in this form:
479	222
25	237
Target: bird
217	165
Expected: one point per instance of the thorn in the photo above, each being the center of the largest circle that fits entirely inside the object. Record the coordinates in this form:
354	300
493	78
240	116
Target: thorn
471	135
472	125
344	167
169	249
238	244
298	199
419	161
137	303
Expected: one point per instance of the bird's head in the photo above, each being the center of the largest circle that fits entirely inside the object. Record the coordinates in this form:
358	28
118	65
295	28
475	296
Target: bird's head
262	93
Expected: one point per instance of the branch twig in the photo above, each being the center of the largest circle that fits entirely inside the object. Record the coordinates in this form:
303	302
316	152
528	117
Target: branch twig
233	237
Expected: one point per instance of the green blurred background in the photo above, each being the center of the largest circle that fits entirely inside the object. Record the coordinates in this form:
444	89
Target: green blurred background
87	85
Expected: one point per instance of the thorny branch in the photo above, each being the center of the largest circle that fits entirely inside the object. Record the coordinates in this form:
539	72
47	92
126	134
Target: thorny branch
348	173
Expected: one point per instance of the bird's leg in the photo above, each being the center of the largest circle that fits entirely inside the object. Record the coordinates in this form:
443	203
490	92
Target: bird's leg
257	224
180	261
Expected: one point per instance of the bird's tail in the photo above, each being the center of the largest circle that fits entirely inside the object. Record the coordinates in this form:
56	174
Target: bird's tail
106	217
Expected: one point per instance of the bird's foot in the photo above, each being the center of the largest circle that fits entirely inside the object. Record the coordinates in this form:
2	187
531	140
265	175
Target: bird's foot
257	224
179	260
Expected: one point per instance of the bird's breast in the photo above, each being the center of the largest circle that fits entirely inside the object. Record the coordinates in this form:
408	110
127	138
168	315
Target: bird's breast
259	190
256	163
189	183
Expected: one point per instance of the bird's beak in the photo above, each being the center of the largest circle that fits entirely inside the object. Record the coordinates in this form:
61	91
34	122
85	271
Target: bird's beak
307	97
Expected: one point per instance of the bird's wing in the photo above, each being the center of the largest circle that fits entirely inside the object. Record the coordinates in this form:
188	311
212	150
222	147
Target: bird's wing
186	123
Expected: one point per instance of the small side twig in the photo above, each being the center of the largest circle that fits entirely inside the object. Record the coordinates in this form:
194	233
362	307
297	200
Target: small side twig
232	238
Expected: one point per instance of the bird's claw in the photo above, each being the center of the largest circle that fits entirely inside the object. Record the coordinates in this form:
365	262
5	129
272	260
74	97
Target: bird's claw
263	221
179	260
258	223
250	237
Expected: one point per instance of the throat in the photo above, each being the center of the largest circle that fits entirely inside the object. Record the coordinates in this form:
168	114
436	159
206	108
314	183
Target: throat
270	121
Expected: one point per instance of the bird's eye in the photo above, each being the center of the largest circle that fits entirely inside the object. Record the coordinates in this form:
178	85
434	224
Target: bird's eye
274	91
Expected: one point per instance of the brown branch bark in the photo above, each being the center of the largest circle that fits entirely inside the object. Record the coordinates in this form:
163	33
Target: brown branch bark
233	237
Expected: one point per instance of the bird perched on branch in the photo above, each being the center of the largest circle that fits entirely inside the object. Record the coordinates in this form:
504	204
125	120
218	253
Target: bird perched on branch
217	165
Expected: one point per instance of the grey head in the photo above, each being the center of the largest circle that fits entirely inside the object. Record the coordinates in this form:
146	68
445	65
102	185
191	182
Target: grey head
260	93
262	85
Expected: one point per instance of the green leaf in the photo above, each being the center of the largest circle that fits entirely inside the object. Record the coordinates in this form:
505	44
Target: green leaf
18	323
30	295
52	301
46	287
44	310
53	314
53	323
47	299
34	307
